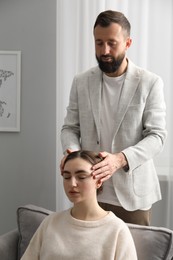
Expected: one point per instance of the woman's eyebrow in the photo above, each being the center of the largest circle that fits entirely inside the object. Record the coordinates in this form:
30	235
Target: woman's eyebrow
81	171
76	172
66	172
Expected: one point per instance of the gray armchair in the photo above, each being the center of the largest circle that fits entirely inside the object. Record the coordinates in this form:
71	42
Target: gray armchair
152	243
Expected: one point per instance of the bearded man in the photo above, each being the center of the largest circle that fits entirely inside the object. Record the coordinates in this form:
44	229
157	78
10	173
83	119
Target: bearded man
118	109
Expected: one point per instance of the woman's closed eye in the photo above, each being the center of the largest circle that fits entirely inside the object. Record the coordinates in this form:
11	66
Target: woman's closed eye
66	177
77	176
83	177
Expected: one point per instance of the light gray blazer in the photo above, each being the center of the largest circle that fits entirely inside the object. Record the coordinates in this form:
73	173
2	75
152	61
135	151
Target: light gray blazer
139	130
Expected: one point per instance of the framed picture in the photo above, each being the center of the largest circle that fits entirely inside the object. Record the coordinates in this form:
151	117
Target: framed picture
10	88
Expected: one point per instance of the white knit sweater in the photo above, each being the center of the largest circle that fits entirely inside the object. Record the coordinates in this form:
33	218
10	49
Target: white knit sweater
62	237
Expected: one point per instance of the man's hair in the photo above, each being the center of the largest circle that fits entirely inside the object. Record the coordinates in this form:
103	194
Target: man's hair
89	156
105	18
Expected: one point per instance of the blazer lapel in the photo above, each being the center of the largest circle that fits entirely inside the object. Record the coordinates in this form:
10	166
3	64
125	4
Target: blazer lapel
129	88
95	85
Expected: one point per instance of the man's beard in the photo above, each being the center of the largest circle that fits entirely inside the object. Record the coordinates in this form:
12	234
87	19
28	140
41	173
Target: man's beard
110	67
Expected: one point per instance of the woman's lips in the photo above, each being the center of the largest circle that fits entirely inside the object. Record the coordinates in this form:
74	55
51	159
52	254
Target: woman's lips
73	192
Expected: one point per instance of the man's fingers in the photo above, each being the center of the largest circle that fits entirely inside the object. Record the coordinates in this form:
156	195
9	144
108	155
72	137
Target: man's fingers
69	151
100	165
101	174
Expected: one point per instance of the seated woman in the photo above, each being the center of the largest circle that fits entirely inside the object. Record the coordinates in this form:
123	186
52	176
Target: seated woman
85	231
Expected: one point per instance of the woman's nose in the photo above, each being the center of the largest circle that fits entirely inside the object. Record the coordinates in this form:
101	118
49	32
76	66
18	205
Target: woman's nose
73	182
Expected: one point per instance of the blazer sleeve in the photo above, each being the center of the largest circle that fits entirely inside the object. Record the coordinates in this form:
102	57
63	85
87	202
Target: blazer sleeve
70	133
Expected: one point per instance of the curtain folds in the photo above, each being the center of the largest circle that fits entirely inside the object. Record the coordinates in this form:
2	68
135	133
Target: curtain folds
152	35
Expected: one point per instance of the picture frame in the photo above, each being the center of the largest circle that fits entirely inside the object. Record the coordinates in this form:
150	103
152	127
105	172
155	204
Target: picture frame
10	91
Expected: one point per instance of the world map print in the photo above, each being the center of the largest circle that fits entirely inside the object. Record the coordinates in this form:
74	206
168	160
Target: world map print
4	76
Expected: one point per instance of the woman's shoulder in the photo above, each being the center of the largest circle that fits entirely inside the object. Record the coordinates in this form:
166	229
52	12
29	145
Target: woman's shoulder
56	217
116	222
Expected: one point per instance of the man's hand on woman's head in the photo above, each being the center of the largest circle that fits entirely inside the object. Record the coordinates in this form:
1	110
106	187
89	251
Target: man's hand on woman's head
68	151
106	168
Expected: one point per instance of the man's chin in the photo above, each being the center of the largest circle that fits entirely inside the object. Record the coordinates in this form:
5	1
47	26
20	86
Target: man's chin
107	70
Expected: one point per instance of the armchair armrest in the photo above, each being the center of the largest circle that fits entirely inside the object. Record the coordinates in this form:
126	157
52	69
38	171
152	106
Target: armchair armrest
152	242
9	245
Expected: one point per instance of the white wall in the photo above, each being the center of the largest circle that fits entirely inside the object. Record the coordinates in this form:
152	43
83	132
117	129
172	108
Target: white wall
28	158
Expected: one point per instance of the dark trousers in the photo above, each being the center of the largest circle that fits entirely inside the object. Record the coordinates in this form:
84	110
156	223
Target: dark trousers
140	217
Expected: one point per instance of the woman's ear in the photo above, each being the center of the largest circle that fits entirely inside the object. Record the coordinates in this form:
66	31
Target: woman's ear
98	184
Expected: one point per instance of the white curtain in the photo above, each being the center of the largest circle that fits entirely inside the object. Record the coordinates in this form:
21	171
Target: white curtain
152	35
